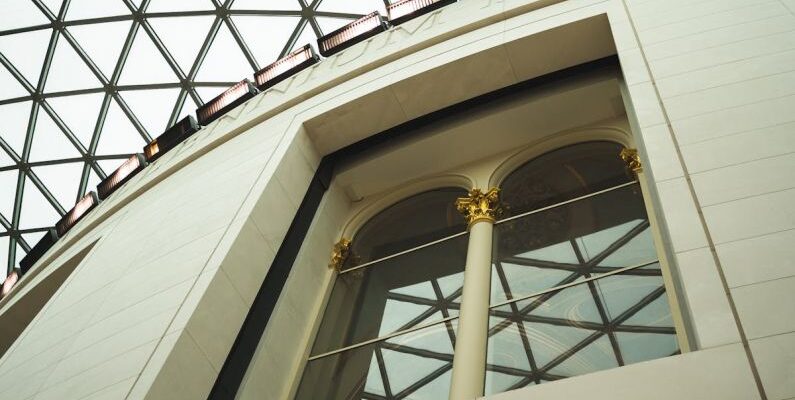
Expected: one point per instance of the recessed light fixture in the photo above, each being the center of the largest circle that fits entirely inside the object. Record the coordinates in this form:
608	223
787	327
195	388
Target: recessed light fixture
121	175
226	101
86	204
355	32
286	67
170	139
404	10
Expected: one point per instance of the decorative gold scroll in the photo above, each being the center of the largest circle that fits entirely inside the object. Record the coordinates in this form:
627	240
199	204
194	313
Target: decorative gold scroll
479	205
339	254
631	157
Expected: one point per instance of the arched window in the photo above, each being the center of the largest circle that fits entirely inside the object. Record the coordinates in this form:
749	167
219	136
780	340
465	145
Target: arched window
576	287
405	270
574	215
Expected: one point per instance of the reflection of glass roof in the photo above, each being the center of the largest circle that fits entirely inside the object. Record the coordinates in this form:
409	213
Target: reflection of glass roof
85	83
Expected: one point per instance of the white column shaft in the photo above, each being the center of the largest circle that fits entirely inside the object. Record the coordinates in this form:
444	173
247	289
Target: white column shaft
469	362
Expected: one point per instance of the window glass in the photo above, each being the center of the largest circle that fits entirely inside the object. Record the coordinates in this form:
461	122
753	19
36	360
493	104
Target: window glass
600	324
416	288
546	326
571	242
416	365
563	174
409	223
404	287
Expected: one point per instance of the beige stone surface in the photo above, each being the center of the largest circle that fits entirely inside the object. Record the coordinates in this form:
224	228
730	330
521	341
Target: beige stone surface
135	319
719	373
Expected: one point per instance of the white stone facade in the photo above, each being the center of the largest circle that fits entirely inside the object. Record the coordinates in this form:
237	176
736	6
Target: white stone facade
176	256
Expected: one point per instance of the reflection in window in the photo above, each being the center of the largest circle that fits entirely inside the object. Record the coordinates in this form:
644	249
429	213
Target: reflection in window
576	286
561	175
388	286
610	309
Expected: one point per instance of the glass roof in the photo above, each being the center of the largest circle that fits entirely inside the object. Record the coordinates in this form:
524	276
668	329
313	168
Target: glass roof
86	83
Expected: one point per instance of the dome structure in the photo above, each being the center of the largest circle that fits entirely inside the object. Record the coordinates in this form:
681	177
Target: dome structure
86	83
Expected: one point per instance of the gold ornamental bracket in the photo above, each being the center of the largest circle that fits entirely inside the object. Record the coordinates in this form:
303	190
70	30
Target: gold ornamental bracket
339	254
632	159
479	205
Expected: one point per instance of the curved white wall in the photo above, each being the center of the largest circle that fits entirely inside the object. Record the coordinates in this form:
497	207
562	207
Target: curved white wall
154	307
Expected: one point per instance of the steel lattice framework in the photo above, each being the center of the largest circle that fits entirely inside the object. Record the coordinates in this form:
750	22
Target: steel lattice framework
20	175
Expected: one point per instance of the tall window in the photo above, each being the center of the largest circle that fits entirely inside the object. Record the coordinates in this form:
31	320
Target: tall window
576	286
399	276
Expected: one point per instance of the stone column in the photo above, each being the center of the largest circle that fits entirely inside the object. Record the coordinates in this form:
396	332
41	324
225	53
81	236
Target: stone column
469	362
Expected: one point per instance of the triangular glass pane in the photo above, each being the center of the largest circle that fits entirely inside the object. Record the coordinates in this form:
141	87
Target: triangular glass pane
119	136
281	5
8	181
79	113
405	370
524	280
353	7
36	211
433	338
637	347
19	14
225	61
594	243
574	303
182	5
145	64
506	349
33	238
102	42
93	181
437	316
15	117
596	356
438	388
68	71
21	253
638	250
374	383
497	382
328	24
183	37
657	314
620	292
5	159
28	58
62	180
109	165
422	289
4	253
188	108
49	142
550	341
306	36
84	9
560	252
397	314
265	36
11	86
152	107
53	5
451	283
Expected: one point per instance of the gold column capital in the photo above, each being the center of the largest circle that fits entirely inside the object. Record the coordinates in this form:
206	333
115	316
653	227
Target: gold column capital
479	205
631	157
339	253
